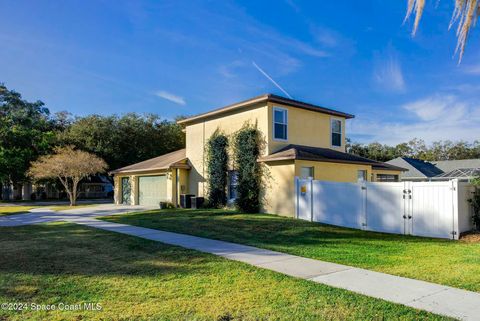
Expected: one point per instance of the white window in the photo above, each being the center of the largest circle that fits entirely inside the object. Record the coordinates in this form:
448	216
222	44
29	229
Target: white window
280	123
232	184
362	175
336	128
306	172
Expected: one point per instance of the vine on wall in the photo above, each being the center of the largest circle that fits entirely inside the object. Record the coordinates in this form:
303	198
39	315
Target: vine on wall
247	144
217	166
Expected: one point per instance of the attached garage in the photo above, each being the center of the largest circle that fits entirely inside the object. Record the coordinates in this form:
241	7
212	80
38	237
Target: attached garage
152	190
160	179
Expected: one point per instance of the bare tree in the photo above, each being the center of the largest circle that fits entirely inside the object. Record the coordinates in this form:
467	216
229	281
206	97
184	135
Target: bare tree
70	166
466	13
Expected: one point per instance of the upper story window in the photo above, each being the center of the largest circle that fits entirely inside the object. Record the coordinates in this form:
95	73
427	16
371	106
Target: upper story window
280	123
336	128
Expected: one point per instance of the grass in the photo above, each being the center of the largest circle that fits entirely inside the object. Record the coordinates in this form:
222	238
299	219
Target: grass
21	209
453	263
137	279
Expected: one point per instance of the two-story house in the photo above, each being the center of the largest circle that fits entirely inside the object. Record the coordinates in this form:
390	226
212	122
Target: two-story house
302	140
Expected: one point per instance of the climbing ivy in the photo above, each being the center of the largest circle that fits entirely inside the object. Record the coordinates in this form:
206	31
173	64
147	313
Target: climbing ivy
247	144
217	165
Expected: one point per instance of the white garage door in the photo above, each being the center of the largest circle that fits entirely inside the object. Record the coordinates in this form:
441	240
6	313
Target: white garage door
152	190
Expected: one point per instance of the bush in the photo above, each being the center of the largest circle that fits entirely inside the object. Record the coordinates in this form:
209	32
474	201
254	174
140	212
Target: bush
475	202
247	146
217	165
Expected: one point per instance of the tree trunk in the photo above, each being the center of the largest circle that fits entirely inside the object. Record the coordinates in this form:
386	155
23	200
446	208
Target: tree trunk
73	202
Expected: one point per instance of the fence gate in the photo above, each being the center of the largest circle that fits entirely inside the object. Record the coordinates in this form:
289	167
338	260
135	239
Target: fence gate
432	209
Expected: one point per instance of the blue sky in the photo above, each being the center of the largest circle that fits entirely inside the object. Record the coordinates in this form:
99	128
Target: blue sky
186	57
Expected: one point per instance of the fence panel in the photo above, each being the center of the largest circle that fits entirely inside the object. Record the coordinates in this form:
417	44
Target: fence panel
386	207
339	204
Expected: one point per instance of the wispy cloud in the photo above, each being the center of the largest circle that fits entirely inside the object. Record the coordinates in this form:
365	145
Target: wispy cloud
388	73
171	97
437	117
271	79
472	69
437	107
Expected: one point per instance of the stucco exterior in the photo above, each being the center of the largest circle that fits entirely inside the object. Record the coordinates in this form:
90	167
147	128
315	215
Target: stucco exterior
307	125
198	133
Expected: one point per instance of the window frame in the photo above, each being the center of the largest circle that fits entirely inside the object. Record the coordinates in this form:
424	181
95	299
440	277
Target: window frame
312	168
285	110
365	175
230	185
332	119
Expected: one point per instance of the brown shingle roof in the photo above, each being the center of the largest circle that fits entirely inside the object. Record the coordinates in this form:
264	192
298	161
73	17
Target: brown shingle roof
167	161
292	152
267	98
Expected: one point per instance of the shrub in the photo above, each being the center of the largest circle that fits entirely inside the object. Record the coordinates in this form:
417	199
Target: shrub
217	165
247	147
475	202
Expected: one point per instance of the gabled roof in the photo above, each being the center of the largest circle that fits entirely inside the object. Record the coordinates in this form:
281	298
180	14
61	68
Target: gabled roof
300	152
266	98
417	168
171	160
450	165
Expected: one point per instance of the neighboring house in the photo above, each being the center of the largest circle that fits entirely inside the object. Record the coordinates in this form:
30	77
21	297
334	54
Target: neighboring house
97	186
419	170
301	140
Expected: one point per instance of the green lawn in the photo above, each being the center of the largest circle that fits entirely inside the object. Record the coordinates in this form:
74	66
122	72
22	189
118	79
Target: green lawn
453	263
21	209
137	279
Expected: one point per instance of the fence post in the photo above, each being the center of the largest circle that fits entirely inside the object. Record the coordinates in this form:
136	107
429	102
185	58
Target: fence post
311	199
296	196
455	229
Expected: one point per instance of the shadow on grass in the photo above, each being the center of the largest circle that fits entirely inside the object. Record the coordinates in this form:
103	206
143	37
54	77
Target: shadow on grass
68	249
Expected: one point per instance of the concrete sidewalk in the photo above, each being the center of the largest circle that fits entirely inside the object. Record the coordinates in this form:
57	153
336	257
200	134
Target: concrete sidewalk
439	299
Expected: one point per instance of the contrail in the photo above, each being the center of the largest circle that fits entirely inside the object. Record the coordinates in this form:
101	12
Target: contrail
270	78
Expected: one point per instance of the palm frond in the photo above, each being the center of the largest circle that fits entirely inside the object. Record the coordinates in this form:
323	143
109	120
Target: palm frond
466	14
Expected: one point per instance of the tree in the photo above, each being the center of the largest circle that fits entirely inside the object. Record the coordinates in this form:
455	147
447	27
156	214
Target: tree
416	148
124	140
217	166
26	131
466	13
69	166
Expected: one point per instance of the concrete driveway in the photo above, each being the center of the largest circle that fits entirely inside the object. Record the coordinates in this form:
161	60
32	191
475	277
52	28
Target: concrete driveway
45	215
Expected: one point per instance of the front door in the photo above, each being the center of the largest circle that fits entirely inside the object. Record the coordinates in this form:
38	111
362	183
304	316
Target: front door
126	191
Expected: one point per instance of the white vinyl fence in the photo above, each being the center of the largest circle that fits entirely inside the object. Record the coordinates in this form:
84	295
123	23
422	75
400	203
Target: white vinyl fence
433	209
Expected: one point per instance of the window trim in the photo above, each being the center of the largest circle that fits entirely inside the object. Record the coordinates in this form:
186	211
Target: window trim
275	108
331	132
309	167
229	194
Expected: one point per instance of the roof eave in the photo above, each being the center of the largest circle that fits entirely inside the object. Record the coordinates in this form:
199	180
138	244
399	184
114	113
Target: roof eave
266	98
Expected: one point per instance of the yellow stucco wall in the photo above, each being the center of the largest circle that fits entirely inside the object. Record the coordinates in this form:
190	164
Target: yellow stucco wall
337	172
198	133
279	188
305	127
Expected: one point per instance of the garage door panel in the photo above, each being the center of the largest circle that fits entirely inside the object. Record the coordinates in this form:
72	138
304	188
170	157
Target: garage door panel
152	190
